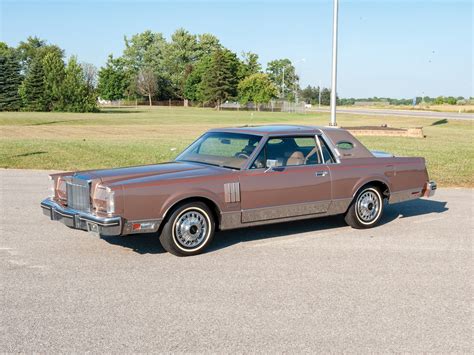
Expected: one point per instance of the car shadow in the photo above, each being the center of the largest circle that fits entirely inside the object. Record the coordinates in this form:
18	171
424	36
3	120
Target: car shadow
140	243
401	210
149	243
415	208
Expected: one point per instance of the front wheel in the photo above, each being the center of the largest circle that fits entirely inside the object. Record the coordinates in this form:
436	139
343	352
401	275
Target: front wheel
188	230
366	209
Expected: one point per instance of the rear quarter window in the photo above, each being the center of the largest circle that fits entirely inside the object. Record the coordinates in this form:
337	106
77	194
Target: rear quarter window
345	145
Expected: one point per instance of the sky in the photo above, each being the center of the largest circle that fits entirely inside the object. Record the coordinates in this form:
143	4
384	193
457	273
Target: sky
399	49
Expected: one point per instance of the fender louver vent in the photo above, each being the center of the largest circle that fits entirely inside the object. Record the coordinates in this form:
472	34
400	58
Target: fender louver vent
232	192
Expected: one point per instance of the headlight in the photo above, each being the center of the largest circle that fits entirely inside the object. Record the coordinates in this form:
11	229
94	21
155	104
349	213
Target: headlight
104	199
61	189
110	200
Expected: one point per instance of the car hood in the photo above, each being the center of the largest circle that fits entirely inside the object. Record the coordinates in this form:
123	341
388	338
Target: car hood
161	171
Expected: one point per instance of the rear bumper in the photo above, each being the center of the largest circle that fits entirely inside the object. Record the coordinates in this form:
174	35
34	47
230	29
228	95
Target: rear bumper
107	226
429	189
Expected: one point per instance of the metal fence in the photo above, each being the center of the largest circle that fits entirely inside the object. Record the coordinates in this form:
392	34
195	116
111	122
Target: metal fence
272	106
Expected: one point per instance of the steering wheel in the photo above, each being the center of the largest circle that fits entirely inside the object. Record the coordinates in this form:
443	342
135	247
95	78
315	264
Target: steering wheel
242	155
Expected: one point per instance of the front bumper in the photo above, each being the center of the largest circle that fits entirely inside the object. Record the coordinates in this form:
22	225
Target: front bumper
429	189
107	226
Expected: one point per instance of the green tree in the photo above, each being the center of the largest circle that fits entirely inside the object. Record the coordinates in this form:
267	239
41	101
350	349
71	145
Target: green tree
113	80
249	65
146	50
172	62
32	88
10	79
310	94
192	86
179	56
206	45
75	93
451	100
282	73
439	100
257	88
326	97
346	101
219	82
4	49
34	48
54	73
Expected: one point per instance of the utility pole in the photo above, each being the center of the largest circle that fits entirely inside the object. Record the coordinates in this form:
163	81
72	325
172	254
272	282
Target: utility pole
319	94
334	64
297	78
283	84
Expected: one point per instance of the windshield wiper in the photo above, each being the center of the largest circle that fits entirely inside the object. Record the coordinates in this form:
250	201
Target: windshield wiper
212	164
199	162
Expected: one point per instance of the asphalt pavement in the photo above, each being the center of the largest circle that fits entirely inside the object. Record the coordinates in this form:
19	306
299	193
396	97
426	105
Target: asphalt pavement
401	113
301	287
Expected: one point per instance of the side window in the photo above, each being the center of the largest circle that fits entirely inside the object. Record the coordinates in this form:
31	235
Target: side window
288	151
327	155
260	161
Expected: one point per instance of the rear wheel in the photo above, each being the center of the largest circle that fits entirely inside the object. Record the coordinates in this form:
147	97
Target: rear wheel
366	209
188	230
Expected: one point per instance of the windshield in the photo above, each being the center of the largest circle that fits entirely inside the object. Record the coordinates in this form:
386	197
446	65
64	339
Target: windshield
229	150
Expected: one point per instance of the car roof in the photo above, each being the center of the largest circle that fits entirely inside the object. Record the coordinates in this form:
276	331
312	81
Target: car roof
271	129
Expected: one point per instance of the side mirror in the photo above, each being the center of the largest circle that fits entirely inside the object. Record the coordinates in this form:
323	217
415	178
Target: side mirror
271	163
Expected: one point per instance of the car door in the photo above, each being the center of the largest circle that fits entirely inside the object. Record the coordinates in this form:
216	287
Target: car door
298	184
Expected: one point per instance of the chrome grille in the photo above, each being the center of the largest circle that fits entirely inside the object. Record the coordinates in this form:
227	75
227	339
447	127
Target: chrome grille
78	194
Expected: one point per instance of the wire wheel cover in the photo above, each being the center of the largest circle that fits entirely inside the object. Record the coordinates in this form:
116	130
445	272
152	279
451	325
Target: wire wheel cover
191	229
368	206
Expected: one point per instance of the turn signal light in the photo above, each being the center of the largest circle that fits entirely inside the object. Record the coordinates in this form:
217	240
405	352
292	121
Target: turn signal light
143	226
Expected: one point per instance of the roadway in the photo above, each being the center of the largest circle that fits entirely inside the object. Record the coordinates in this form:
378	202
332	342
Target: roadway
401	113
308	286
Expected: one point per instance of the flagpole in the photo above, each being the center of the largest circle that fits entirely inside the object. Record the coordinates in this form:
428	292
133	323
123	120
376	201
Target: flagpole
334	64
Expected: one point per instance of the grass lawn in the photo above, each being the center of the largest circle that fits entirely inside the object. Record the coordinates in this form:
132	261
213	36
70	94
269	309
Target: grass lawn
129	136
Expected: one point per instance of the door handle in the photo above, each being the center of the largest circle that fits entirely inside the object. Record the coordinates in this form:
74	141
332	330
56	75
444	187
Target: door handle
321	173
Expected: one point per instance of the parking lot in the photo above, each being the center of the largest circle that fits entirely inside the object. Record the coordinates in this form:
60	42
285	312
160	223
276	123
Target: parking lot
307	286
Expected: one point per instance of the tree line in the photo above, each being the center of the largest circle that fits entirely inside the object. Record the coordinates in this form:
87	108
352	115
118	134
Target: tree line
191	67
195	68
439	100
35	76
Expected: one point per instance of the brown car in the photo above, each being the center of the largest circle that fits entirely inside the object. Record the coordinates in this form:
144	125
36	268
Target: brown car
239	177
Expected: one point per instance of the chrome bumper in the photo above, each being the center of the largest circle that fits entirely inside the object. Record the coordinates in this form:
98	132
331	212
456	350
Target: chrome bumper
107	226
429	189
